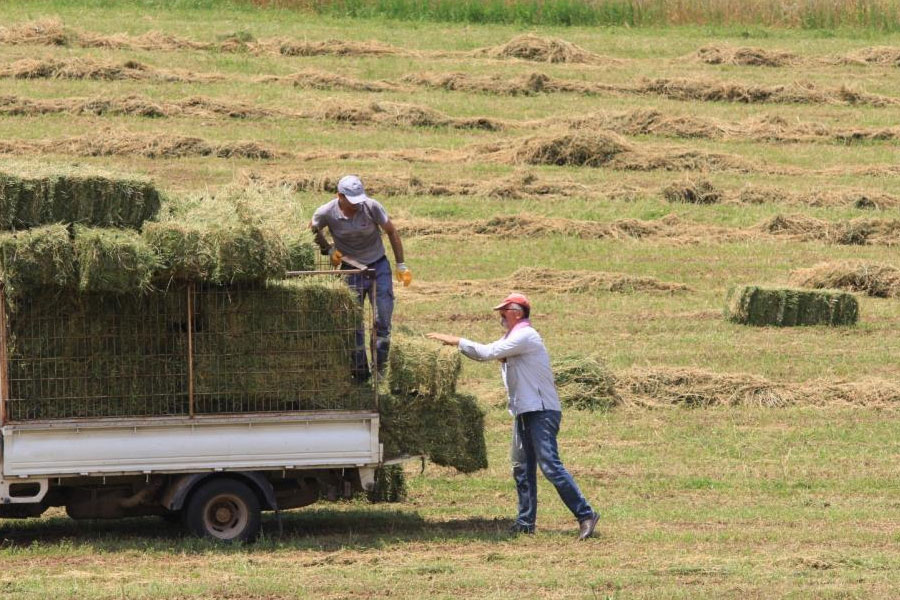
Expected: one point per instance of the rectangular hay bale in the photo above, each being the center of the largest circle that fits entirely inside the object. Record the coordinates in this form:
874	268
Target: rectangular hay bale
786	307
34	195
116	261
423	367
35	258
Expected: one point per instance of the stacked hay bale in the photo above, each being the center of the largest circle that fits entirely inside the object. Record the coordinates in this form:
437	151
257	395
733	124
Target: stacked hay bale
786	307
97	302
424	414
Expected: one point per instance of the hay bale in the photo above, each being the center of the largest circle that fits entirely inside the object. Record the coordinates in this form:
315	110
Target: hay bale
585	383
874	279
423	367
185	252
92	355
390	485
700	192
288	346
36	258
115	261
784	307
33	196
248	254
579	148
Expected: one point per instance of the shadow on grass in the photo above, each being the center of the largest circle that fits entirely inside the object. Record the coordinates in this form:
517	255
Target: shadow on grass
312	528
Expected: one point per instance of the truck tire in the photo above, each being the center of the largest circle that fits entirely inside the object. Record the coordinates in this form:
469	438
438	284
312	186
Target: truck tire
224	510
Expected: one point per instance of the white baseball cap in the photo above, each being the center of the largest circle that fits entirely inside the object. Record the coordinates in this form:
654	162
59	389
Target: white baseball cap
352	188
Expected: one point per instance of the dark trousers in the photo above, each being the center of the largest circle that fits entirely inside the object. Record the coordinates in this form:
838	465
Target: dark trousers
533	446
384	310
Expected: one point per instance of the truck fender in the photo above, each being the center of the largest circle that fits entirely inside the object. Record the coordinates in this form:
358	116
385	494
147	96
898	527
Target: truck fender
180	487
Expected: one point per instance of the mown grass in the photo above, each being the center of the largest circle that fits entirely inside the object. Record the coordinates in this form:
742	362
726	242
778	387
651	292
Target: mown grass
729	502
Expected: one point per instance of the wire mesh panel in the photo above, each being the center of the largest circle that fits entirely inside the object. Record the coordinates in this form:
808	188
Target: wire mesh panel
287	347
283	347
89	355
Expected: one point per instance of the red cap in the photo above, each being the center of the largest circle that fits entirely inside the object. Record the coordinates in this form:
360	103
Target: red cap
514	298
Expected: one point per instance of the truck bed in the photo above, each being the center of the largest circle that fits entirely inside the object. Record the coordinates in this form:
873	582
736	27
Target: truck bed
254	441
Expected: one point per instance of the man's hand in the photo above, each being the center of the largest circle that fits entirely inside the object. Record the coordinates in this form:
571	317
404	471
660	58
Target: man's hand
335	256
449	340
404	275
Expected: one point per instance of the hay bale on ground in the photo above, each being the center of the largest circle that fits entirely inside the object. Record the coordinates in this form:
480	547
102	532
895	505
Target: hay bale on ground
115	261
423	367
585	383
785	307
700	192
32	196
875	279
35	258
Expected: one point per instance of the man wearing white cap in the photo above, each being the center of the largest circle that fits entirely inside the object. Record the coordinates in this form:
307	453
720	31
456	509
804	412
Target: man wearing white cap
356	222
534	404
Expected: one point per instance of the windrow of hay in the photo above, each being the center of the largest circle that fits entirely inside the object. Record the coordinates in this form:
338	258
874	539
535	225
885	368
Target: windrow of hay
854	232
579	148
718	91
534	280
323	80
52	32
525	85
670	227
32	195
585	383
865	200
133	144
332	47
744	56
87	68
786	307
400	114
47	32
518	185
542	49
872	278
692	192
877	55
135	105
698	388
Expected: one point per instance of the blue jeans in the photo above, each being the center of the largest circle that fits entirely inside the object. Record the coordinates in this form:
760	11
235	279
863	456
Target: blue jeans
533	446
384	309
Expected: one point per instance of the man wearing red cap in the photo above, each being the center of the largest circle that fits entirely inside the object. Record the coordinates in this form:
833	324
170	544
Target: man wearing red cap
534	404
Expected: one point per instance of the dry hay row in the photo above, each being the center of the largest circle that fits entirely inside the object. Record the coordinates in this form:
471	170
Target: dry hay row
52	32
760	57
148	146
675	89
534	280
669	228
86	68
702	191
381	113
874	279
769	128
674	386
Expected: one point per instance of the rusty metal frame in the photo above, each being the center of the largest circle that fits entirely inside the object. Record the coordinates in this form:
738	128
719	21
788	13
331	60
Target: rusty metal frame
190	349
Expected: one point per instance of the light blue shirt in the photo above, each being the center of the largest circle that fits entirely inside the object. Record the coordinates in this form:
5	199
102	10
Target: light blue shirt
526	369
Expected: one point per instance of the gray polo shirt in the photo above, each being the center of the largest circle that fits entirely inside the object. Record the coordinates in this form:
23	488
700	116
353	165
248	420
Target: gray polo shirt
358	237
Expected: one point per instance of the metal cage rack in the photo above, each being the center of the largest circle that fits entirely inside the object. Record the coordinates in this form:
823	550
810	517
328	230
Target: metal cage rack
187	351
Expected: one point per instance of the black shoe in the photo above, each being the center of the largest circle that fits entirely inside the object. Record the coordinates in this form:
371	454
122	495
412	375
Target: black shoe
586	527
519	528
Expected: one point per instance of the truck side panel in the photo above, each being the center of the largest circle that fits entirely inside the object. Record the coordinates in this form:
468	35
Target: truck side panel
245	442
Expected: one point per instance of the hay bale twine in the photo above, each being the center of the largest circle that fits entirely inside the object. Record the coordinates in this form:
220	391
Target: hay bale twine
36	258
33	196
585	383
115	261
700	192
786	307
579	148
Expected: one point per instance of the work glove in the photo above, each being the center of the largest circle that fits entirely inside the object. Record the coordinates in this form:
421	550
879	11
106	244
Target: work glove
335	256
404	275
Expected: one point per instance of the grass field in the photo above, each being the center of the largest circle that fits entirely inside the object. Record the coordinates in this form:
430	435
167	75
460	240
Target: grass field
724	501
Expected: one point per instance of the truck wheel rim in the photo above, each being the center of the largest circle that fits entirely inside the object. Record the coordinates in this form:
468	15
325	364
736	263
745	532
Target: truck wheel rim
225	516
